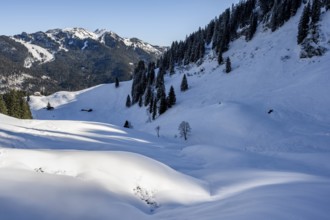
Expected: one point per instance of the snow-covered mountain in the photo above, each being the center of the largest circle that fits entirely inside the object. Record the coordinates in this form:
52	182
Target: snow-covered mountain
241	160
84	58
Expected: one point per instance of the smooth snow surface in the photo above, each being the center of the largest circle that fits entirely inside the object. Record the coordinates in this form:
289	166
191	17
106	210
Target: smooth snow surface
239	162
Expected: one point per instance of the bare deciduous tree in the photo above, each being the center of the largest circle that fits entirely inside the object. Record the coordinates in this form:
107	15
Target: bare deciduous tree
184	129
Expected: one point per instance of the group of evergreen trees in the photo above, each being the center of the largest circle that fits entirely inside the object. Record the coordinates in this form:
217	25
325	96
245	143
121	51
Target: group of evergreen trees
148	89
241	19
14	103
308	20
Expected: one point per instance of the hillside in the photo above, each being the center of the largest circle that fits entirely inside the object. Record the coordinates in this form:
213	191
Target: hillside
267	74
241	160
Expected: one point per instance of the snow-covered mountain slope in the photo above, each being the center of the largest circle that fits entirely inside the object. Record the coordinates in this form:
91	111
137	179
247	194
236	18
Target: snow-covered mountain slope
37	54
238	163
267	74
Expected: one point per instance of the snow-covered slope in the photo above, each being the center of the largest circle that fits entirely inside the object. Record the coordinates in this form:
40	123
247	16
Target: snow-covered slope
36	54
238	163
267	74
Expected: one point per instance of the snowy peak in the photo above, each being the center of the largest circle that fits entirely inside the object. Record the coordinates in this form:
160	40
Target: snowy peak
80	33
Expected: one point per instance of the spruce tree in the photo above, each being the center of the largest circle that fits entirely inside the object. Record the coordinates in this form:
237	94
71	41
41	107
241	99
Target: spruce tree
171	98
162	105
12	103
151	105
220	58
154	109
140	101
184	83
25	112
3	107
316	11
128	101
117	82
303	24
148	96
253	26
228	65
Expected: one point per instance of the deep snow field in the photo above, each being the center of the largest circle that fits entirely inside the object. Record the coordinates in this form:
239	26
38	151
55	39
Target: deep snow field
238	163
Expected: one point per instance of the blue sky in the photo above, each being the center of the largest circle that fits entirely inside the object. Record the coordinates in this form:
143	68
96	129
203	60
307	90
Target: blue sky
158	22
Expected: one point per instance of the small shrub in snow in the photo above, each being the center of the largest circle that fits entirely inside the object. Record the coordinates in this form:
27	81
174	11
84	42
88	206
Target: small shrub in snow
147	196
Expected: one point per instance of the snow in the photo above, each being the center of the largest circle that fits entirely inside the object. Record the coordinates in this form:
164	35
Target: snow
139	44
81	33
38	54
238	163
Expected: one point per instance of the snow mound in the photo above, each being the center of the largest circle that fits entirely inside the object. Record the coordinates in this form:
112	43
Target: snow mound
122	173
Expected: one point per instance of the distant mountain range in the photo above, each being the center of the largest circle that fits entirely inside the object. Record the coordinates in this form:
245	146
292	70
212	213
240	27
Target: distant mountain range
69	59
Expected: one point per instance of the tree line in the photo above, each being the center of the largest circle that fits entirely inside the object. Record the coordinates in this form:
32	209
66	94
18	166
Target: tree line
15	104
240	20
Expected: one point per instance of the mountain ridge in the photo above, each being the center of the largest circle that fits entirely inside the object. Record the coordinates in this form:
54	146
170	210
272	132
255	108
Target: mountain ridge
71	58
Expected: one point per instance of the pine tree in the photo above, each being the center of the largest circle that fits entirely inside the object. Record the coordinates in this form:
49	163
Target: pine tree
128	101
228	65
163	105
151	105
148	96
316	11
139	82
140	101
303	24
25	112
220	58
154	109
327	4
127	124
171	97
253	26
49	106
3	107
184	83
12	103
117	82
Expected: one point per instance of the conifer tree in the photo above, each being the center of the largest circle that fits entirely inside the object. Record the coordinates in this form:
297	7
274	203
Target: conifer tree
25	112
316	11
3	107
148	96
154	109
128	101
220	58
140	101
228	65
303	24
171	98
151	105
117	82
12	103
184	83
49	107
253	26
162	105
139	82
